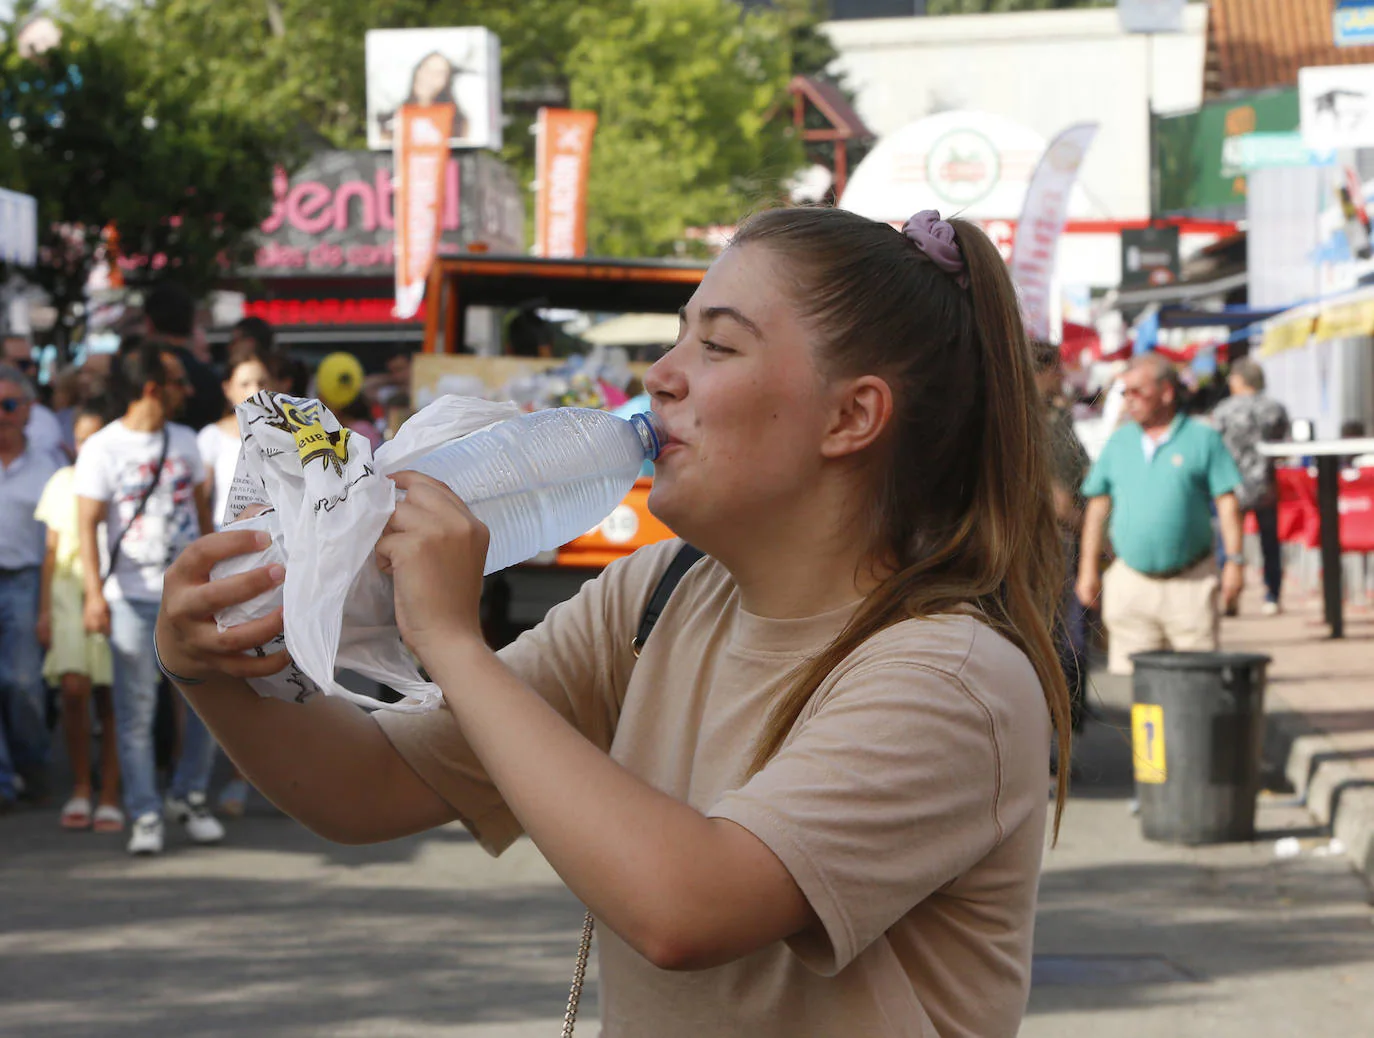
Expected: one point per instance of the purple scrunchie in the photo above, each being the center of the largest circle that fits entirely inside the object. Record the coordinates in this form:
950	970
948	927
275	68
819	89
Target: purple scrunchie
935	237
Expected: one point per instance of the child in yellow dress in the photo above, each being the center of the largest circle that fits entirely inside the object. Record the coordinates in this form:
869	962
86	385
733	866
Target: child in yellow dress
78	662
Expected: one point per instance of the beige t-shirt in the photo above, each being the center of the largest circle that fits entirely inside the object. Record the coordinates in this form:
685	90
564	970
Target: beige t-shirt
909	802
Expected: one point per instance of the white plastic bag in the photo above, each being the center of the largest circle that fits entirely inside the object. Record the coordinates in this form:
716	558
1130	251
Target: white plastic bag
328	501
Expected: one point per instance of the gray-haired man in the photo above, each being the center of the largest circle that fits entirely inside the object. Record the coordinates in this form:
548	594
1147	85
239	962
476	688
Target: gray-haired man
25	468
1246	419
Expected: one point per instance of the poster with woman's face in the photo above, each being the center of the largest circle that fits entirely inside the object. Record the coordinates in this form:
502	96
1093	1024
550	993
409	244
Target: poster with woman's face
461	67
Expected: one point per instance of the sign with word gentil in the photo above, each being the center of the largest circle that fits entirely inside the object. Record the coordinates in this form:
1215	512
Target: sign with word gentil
337	214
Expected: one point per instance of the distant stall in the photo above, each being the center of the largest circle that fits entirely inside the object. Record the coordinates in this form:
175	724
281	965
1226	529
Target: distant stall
1318	361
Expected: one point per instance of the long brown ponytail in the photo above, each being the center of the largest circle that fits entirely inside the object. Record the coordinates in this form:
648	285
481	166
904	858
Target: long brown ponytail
964	514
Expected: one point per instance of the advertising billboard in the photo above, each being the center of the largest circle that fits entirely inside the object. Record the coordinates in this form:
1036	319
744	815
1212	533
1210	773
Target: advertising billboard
461	67
1336	103
421	167
563	157
1200	156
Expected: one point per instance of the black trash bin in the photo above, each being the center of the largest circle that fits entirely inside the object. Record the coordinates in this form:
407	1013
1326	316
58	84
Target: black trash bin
1197	728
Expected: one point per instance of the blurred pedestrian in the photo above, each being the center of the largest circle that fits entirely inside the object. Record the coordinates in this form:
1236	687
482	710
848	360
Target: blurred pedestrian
220	445
43	430
68	396
170	319
1156	479
25	468
256	331
1246	419
1068	465
78	661
385	387
199	342
142	475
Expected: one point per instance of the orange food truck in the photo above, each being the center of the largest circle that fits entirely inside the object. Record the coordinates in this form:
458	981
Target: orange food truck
520	596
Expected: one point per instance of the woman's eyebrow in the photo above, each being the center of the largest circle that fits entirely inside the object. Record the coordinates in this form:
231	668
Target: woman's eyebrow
712	312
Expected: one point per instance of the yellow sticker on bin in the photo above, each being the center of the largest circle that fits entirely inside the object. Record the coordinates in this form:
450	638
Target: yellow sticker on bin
1147	743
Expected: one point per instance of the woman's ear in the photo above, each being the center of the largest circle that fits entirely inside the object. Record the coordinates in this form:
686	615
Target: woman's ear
862	411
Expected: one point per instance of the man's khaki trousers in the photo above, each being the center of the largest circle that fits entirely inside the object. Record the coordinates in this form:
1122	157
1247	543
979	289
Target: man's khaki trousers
1143	613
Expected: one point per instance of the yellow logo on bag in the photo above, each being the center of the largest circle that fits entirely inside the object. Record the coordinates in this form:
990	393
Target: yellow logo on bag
1147	742
313	441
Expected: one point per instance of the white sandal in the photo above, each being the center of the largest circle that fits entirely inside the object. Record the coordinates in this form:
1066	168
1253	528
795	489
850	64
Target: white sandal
109	819
76	813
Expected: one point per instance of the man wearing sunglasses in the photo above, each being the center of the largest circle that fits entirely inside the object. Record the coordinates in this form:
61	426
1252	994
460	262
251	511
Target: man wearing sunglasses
1157	479
25	468
43	429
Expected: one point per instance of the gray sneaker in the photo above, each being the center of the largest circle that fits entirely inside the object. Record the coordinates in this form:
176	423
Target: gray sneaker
146	835
194	815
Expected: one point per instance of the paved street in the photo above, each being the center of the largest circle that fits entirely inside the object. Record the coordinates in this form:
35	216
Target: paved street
1143	940
281	935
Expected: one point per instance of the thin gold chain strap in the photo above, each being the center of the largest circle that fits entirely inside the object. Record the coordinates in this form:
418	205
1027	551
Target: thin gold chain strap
579	975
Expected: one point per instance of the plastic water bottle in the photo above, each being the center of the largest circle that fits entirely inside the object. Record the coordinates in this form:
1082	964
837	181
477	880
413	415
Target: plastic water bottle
540	480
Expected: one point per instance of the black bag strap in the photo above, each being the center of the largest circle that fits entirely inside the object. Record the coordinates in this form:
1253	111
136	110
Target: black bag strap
142	504
684	559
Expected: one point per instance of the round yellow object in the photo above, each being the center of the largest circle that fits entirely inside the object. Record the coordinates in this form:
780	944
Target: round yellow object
339	380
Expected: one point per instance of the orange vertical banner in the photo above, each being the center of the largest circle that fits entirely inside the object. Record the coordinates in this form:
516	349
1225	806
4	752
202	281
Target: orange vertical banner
421	158
563	157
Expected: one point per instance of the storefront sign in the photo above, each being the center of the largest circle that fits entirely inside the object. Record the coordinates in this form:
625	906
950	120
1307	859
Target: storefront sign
1042	222
1199	155
325	311
1337	106
1352	23
421	158
337	214
1149	257
563	157
459	67
1252	151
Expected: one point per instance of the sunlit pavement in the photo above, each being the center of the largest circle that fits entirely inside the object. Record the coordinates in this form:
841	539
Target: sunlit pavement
278	933
1144	940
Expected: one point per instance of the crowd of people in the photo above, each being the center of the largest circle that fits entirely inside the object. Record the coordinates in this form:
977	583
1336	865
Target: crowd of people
131	455
106	475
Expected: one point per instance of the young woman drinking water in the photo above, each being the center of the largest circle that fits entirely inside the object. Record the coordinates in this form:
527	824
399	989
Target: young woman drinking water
815	803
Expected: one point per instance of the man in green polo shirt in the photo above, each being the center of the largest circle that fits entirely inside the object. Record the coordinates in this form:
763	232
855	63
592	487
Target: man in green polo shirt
1157	478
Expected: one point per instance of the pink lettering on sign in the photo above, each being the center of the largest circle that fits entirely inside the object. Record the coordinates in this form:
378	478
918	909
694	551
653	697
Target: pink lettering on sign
280	185
386	212
326	255
304	205
312	207
368	204
275	255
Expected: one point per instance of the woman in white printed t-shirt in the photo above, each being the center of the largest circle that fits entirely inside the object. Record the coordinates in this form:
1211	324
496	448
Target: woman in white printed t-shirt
219	445
815	803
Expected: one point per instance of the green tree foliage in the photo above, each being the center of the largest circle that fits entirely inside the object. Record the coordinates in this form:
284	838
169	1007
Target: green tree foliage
681	87
99	139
